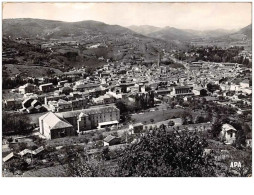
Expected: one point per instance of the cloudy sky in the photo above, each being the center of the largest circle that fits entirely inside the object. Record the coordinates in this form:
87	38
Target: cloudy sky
200	16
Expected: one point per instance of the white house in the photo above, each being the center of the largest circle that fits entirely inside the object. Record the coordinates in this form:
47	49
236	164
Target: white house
228	134
27	88
245	83
136	128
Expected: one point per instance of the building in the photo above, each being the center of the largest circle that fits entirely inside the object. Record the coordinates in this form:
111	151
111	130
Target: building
227	134
27	88
92	118
10	156
105	99
63	105
111	140
180	91
48	87
47	99
59	106
83	86
136	128
249	140
31	105
230	65
53	126
13	103
245	84
61	83
195	65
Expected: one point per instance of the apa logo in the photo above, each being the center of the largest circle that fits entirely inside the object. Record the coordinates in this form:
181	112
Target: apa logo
235	164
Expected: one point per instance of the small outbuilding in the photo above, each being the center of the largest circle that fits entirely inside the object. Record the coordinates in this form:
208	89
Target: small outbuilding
111	140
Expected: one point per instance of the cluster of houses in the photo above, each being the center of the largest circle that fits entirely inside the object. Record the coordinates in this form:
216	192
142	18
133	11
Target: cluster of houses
26	153
84	102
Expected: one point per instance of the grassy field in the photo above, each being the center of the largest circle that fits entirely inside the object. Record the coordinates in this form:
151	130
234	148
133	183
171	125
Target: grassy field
157	116
10	95
162	115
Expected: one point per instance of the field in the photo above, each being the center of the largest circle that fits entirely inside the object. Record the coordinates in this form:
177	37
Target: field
157	116
56	171
36	71
10	95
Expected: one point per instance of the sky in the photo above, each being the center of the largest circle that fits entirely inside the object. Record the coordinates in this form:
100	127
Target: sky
198	16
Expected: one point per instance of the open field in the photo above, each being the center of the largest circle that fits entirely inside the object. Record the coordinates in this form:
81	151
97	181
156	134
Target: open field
157	116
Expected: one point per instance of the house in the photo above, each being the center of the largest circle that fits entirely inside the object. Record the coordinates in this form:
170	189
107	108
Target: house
228	134
27	88
61	83
105	99
13	103
25	152
180	91
136	128
31	152
59	106
46	87
111	140
31	105
53	126
9	157
249	140
245	83
84	87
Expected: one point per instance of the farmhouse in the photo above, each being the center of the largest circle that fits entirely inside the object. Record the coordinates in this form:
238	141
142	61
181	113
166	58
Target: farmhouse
227	134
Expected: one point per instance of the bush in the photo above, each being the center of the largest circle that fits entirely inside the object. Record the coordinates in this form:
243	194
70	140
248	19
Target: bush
161	153
10	139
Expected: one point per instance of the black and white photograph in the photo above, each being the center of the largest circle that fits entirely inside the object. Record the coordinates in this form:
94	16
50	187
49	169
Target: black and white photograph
126	89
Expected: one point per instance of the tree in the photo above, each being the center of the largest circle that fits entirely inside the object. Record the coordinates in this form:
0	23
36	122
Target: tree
105	153
216	128
203	92
212	87
171	123
240	135
80	167
16	123
167	154
16	164
200	119
186	118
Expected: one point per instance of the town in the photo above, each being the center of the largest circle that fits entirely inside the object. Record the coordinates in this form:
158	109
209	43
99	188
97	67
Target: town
66	99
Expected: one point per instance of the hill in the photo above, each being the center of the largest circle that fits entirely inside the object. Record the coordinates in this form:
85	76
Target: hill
171	33
188	34
64	45
27	27
246	31
144	29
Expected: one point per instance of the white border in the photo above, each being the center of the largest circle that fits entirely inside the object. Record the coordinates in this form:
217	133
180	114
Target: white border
204	186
